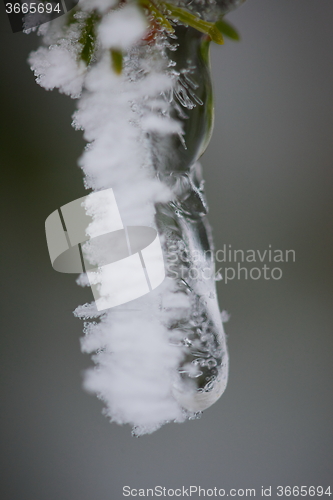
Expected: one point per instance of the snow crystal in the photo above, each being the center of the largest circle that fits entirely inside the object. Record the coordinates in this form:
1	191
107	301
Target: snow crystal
153	123
100	5
122	28
57	67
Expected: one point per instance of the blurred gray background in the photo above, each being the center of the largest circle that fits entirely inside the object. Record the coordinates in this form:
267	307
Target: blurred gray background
269	176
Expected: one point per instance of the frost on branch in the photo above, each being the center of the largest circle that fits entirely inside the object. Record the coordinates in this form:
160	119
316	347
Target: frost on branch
111	28
145	106
57	67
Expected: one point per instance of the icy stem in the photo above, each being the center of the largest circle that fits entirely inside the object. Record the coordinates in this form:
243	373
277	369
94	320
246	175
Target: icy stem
187	236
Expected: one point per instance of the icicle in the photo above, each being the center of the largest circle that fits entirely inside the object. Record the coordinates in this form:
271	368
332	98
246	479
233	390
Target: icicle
145	106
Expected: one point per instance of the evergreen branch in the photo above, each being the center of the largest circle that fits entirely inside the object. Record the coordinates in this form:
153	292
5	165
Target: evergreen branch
189	19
